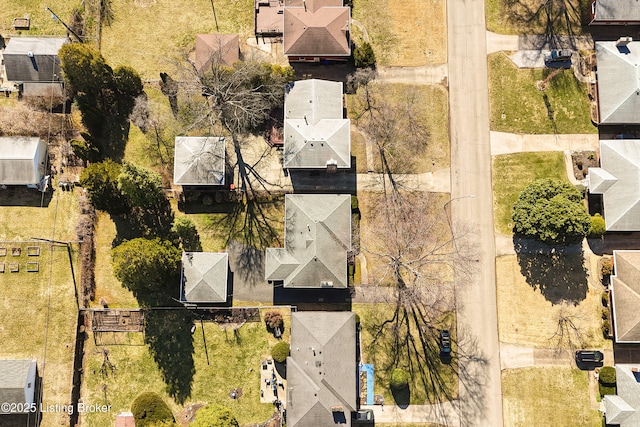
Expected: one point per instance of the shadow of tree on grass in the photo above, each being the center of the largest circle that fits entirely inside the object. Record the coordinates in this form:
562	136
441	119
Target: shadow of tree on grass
168	333
557	271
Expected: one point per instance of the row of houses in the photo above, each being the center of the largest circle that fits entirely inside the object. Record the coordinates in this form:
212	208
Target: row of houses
617	183
321	369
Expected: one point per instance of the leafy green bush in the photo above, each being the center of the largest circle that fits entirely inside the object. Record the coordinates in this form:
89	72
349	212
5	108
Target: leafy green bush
399	379
606	328
605	299
606	266
363	55
598	226
607	380
280	351
552	212
149	409
214	416
607	376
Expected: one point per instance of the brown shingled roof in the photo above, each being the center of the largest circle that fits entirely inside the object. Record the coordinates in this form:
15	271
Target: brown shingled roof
216	48
320	33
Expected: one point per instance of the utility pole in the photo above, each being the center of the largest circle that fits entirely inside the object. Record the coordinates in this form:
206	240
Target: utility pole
214	15
63	23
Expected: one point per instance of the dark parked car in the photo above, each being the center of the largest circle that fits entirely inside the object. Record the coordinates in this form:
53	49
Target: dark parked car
445	344
589	356
363	417
558	56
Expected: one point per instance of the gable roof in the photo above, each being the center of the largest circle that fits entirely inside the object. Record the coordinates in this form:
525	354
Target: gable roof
22	160
199	160
625	296
618	82
17	381
321	32
315	132
220	49
618	180
317	238
33	59
622	11
204	277
623	409
321	370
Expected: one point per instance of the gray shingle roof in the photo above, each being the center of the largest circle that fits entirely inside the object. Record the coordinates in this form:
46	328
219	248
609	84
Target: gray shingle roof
317	238
624	408
315	131
618	82
199	160
204	277
40	66
17	381
625	295
618	180
321	370
22	160
616	10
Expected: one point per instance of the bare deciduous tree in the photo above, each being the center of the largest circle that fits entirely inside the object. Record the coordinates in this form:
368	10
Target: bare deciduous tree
396	128
415	258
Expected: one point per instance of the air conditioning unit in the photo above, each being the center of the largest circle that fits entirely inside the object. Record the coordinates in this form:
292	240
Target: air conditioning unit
326	284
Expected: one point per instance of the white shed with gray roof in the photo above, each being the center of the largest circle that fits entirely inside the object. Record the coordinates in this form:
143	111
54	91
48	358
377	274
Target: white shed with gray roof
204	277
199	160
17	382
22	160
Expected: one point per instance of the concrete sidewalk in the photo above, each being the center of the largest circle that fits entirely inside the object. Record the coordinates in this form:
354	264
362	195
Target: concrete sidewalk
505	143
426	75
507	42
438	181
442	413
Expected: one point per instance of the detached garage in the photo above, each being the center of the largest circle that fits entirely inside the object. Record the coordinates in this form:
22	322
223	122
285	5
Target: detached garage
22	161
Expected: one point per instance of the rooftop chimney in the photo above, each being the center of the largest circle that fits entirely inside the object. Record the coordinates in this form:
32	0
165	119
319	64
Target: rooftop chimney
623	41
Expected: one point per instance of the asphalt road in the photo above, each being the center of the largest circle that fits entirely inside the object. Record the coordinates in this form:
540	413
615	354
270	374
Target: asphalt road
480	397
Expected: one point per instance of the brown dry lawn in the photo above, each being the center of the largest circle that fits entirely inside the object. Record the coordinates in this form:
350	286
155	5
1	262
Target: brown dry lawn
430	105
527	318
404	33
549	396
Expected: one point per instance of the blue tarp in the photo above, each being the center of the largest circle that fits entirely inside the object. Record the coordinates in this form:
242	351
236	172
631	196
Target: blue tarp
368	368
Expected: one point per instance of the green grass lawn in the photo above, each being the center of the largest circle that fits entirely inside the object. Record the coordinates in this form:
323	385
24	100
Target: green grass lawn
150	35
41	21
38	311
547	396
422	388
517	17
513	172
513	92
233	362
